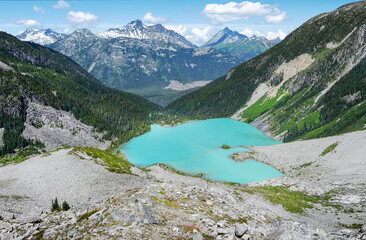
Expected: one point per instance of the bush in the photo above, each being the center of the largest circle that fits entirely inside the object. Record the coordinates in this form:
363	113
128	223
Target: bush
65	206
55	206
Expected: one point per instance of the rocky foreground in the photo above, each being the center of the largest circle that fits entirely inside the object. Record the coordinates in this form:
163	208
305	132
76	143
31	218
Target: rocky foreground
314	201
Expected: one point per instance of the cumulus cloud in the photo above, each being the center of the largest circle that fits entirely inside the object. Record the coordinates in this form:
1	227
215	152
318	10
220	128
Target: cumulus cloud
62	4
200	35
38	9
182	30
279	34
269	35
28	22
250	33
232	11
149	18
82	19
276	18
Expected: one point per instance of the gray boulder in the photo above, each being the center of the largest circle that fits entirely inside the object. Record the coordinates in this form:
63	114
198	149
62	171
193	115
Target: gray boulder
30	219
240	229
363	229
5	226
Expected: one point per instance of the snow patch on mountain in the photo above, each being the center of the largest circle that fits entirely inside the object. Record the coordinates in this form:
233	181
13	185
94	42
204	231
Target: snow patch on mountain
40	36
138	30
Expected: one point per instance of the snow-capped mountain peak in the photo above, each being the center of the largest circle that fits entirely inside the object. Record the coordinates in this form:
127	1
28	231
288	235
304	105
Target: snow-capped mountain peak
40	36
136	29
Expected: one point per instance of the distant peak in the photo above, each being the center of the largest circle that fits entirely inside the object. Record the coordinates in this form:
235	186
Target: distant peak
158	27
137	23
82	30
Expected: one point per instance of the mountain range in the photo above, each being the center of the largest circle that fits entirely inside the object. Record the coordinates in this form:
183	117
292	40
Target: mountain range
310	85
239	45
46	96
151	61
40	36
144	59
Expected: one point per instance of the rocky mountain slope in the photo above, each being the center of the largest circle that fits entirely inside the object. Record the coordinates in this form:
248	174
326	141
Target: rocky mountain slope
144	59
310	85
223	37
47	99
160	203
136	29
239	45
40	36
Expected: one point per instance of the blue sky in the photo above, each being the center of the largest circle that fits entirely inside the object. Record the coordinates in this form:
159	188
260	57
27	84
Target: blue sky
197	20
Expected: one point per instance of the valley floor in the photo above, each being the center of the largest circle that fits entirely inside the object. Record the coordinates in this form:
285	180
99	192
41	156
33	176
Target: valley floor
322	197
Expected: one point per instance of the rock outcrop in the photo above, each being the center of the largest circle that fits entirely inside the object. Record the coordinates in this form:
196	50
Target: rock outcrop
55	128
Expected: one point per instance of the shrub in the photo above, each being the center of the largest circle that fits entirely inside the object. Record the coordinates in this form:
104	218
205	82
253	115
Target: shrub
55	206
65	206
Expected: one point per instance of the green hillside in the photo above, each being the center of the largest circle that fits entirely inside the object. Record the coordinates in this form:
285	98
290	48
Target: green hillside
43	75
336	44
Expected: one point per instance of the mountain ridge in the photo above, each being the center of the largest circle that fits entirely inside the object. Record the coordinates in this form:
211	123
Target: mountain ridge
288	91
239	45
144	66
40	36
224	36
33	76
136	29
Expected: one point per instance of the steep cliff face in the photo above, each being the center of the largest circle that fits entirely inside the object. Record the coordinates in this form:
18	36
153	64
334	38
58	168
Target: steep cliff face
310	85
144	59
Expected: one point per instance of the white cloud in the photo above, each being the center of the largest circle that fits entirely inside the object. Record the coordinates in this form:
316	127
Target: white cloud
28	22
67	31
82	19
279	34
250	33
182	30
269	35
62	4
276	18
38	9
200	35
232	11
149	18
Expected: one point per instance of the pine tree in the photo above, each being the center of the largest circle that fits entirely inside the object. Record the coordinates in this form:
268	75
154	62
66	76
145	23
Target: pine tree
65	206
55	206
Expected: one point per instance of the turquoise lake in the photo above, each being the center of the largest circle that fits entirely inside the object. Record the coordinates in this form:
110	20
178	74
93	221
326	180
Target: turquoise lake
195	148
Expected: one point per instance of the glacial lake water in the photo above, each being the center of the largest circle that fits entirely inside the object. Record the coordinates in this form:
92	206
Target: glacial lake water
195	148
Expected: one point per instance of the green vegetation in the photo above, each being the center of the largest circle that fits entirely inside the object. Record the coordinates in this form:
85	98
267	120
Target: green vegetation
297	115
33	148
55	206
263	105
113	162
86	215
53	79
168	168
329	149
225	146
292	201
246	49
65	206
351	226
306	165
13	128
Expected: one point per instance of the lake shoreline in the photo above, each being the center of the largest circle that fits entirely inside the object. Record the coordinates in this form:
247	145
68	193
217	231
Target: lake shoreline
196	147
